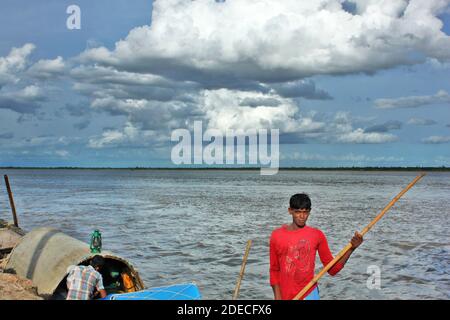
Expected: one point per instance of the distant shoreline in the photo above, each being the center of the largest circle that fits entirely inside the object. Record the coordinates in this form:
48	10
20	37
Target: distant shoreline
435	169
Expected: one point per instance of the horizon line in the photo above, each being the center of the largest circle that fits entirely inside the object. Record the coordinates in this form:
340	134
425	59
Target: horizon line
380	168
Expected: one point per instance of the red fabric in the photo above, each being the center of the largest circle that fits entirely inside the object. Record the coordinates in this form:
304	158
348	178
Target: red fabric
292	259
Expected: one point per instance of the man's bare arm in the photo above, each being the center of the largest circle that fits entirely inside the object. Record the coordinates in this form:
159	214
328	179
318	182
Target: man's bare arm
276	292
356	242
102	293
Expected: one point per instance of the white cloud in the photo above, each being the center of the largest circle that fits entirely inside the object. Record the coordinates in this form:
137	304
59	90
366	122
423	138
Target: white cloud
99	74
282	40
47	140
13	63
62	153
28	93
303	156
44	141
20	87
436	139
237	64
150	114
341	130
219	109
226	109
23	101
223	109
108	83
107	138
421	122
442	160
47	68
359	136
413	101
129	136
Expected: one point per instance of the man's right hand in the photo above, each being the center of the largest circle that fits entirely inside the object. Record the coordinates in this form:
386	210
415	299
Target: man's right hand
102	293
356	240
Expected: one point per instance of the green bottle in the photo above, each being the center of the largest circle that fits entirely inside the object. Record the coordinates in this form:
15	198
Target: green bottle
96	242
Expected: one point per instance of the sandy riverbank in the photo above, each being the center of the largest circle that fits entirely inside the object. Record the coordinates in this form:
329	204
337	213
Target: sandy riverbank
13	287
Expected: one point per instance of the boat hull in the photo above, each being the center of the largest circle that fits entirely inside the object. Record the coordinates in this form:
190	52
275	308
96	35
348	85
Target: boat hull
187	291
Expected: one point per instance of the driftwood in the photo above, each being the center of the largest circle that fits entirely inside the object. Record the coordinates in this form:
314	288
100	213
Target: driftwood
10	236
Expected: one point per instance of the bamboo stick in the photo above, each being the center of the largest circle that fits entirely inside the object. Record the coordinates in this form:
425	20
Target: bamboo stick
241	274
349	245
11	201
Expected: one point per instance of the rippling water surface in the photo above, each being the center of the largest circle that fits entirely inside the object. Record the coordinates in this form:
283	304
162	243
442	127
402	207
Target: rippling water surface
183	226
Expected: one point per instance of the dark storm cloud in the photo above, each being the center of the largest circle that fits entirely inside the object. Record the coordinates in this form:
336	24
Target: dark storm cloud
304	88
421	122
77	110
256	102
22	106
390	125
82	124
6	135
349	7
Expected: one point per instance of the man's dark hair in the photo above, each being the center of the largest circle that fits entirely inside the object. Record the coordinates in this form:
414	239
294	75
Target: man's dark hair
300	201
97	261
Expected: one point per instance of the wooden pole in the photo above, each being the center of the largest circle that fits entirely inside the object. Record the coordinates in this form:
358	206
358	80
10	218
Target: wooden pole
349	245
11	201
241	274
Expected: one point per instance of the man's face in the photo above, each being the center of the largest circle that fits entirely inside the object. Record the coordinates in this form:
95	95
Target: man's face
299	216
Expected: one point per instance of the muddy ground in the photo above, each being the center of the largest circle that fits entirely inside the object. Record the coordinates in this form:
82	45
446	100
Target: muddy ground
13	287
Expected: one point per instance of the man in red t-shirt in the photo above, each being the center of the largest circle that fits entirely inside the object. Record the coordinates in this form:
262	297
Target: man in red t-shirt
293	252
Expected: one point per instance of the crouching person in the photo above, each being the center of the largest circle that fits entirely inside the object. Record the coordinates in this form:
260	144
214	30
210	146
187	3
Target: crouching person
85	282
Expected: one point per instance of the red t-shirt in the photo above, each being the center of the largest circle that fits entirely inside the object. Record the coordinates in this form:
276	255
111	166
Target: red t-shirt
293	257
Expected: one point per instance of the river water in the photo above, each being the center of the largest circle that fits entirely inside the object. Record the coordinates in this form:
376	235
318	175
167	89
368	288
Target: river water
192	226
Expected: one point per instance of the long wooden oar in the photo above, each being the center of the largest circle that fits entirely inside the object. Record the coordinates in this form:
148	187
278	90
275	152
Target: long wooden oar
241	274
349	245
11	201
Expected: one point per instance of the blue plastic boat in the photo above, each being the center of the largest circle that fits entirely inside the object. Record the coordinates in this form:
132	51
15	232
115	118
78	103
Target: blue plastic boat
187	291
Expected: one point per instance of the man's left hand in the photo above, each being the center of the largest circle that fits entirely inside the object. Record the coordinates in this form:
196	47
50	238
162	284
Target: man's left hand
356	240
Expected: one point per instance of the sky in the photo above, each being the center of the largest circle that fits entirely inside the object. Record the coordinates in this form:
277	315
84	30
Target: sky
346	83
